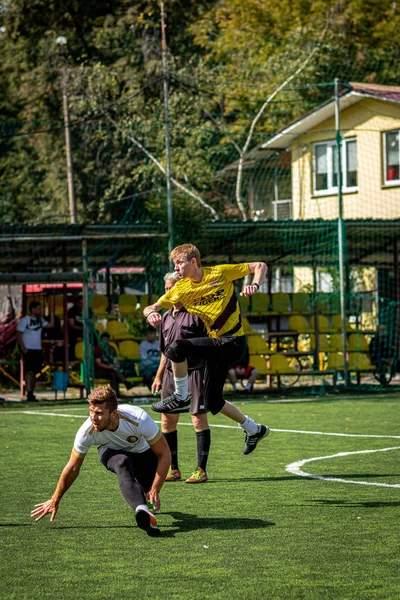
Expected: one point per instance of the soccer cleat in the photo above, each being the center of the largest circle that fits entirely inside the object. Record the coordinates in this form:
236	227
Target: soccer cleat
147	521
172	404
251	441
199	476
173	475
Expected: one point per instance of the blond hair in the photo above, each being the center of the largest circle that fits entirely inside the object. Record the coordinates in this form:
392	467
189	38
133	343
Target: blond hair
187	252
104	395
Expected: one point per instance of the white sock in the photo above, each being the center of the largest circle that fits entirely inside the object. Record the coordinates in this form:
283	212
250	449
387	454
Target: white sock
143	507
249	426
181	386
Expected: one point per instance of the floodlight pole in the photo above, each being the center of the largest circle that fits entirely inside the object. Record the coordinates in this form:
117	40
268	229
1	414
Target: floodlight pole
62	43
68	149
167	136
341	230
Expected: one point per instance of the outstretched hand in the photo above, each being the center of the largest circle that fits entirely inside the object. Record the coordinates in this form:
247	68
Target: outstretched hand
249	290
43	509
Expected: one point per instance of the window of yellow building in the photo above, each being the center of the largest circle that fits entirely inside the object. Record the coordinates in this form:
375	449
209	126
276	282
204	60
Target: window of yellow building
325	164
392	157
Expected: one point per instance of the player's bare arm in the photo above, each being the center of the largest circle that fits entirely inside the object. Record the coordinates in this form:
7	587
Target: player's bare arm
20	341
151	313
156	385
161	449
67	478
260	271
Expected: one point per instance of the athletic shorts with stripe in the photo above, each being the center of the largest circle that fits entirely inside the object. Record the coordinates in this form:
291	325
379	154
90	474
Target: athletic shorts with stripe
196	389
219	354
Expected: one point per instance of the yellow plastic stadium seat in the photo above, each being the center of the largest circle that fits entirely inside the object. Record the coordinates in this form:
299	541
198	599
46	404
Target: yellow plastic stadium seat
99	327
278	365
257	344
360	362
323	323
280	303
323	343
99	305
118	330
79	352
300	303
244	303
299	323
129	349
358	343
59	306
336	342
260	303
258	362
144	300
337	323
335	360
127	305
247	327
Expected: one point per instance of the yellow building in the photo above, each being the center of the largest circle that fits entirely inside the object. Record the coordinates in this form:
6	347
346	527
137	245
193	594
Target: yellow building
369	126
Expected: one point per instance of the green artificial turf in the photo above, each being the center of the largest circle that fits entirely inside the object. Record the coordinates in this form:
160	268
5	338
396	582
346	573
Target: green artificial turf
254	531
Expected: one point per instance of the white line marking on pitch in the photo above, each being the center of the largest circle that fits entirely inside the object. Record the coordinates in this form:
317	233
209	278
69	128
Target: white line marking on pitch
304	432
295	468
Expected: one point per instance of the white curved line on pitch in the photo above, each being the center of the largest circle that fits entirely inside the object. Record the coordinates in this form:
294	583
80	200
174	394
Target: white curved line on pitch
295	468
301	431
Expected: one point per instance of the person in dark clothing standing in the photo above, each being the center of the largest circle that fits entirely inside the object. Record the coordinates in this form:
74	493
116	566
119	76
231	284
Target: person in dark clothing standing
177	324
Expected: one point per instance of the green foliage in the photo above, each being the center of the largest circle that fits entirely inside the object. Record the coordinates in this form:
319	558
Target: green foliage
225	58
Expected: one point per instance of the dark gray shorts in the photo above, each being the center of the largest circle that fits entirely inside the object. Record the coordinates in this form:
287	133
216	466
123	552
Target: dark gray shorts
196	389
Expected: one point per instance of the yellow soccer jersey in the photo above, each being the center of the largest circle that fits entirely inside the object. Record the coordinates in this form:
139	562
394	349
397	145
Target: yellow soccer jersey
213	299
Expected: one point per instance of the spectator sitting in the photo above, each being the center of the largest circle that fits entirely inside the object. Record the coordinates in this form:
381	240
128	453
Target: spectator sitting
149	356
243	371
106	364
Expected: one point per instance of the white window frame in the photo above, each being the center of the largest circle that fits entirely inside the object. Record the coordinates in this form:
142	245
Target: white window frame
389	182
333	189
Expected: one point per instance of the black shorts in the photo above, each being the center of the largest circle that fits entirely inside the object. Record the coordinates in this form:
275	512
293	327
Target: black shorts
196	389
33	361
219	354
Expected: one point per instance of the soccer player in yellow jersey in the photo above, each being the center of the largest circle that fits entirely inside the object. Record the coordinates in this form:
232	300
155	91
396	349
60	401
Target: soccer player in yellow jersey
209	293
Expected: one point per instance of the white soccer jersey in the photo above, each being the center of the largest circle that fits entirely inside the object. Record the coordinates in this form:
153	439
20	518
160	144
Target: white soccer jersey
134	429
31	329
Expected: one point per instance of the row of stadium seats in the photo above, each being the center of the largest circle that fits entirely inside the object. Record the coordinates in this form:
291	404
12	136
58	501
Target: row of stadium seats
356	342
128	304
285	304
279	364
126	350
117	330
325	324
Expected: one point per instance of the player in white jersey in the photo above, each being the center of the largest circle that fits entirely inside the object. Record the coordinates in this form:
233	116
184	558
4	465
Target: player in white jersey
130	444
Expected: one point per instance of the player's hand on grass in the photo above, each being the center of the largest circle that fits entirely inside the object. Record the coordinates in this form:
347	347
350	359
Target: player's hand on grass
43	509
154	498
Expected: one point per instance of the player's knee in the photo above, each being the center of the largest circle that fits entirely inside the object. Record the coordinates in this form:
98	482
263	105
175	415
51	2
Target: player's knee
120	463
175	352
